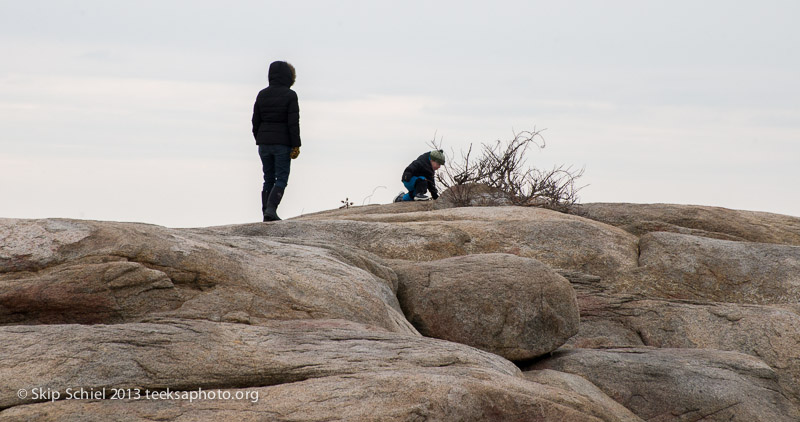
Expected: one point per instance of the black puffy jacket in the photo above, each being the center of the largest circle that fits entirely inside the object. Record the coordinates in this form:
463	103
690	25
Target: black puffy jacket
422	167
276	115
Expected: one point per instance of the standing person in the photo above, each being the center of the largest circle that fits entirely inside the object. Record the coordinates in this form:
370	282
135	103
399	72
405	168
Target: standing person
276	128
419	177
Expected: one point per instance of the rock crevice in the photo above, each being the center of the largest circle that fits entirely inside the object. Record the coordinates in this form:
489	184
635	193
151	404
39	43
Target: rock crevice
621	313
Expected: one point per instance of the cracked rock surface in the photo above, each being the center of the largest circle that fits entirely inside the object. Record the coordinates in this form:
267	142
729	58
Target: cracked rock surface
408	311
681	384
126	272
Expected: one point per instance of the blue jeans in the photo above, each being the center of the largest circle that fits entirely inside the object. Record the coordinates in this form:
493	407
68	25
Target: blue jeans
276	163
411	186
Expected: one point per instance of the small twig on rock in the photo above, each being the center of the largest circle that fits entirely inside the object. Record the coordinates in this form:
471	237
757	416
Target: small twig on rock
346	203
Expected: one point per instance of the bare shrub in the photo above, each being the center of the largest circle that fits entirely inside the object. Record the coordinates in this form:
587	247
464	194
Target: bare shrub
500	175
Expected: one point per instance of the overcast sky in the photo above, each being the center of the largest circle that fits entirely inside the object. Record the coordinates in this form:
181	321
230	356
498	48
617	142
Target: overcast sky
140	110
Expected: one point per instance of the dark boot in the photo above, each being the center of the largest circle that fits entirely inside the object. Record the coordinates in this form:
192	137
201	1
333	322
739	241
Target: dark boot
264	200
420	188
274	199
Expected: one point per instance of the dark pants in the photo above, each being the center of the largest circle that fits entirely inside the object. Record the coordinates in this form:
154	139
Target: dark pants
417	184
276	163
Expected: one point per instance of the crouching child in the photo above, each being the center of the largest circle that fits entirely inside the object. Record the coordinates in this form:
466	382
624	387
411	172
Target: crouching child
419	177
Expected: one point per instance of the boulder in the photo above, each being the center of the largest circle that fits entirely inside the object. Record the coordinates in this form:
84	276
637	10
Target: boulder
680	266
186	354
769	333
602	406
298	370
66	271
697	220
681	384
434	394
558	240
515	307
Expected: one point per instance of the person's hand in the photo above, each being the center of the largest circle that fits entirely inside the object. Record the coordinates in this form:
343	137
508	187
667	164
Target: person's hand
295	153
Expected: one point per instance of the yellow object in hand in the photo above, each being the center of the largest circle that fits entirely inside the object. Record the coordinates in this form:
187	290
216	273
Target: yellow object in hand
295	152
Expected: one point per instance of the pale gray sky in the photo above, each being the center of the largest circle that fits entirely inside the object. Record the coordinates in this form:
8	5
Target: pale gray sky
140	110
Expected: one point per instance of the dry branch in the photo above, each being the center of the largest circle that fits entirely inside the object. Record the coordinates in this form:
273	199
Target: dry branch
501	168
